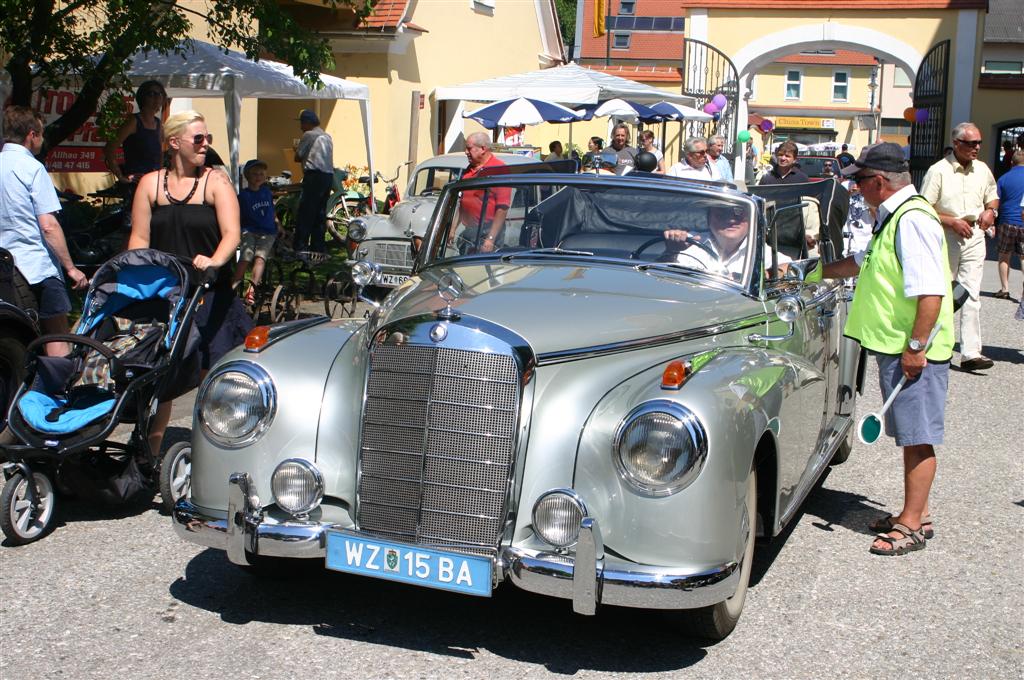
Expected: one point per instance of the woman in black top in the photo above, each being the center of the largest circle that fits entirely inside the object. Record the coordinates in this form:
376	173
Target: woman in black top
140	136
191	211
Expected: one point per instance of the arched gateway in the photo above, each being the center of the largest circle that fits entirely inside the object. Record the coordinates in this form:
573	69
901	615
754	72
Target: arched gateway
754	33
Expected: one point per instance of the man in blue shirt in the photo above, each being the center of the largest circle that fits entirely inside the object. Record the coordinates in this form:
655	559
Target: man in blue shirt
28	226
1011	230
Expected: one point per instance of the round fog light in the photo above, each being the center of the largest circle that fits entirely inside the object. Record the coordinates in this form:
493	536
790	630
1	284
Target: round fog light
557	515
297	485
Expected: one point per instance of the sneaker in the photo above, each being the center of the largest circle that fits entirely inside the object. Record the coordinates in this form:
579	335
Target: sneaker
978	363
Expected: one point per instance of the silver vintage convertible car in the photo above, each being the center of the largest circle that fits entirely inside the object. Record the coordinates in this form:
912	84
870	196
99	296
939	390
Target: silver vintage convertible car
601	393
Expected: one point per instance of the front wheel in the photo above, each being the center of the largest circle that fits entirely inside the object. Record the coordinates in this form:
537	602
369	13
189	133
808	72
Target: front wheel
22	520
175	474
718	620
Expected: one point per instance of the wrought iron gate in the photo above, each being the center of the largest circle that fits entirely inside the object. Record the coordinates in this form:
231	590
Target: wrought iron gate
928	136
707	71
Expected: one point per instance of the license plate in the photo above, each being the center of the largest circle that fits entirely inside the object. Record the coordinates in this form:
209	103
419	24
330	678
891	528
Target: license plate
469	574
393	280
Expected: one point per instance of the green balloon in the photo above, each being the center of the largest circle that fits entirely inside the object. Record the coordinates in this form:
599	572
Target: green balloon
743	136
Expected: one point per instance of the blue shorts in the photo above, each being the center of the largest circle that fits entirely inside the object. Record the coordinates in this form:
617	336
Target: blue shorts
52	297
917	415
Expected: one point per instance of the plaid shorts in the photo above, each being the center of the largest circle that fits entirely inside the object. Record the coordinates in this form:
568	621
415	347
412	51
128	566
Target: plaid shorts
1011	239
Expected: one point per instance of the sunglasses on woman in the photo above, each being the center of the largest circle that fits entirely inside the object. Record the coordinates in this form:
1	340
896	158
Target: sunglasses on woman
199	139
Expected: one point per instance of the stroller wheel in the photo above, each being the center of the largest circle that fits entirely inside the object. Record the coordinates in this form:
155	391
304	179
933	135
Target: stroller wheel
175	474
21	520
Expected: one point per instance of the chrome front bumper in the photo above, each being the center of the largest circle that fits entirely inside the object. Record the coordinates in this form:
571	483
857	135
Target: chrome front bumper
588	578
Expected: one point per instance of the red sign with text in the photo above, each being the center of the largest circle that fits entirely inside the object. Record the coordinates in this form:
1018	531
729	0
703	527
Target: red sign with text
83	150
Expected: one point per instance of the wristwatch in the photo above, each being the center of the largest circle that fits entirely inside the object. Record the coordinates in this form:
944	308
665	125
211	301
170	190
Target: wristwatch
915	345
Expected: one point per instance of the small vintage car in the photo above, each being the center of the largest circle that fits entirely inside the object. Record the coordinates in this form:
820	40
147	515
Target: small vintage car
385	239
602	397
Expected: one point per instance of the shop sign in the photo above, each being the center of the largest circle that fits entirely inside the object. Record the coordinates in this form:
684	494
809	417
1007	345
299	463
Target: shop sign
82	151
799	122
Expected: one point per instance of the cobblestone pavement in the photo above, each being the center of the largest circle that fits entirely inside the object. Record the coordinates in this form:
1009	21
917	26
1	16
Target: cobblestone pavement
117	594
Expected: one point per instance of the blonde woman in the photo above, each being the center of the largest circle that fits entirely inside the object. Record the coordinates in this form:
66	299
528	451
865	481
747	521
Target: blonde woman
191	211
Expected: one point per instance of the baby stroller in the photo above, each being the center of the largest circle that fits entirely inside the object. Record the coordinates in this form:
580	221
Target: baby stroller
135	332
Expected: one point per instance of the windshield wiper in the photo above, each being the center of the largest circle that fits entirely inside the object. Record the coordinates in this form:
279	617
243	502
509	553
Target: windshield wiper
544	251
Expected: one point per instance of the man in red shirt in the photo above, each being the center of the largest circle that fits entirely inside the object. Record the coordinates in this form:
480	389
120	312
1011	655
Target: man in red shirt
483	211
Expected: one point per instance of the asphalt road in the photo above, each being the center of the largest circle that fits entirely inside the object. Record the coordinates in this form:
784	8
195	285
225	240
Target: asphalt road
112	595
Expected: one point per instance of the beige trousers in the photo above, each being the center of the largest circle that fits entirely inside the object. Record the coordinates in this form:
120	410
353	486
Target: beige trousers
967	264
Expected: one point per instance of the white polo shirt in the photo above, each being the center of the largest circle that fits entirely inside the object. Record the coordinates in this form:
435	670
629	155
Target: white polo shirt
26	192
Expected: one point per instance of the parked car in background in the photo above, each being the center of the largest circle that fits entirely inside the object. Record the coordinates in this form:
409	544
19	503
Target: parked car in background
386	239
591	411
818	167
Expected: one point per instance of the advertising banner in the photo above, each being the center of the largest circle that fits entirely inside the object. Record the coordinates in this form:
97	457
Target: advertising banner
83	150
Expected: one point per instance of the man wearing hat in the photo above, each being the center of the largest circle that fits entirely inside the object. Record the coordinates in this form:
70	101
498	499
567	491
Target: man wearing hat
316	153
902	293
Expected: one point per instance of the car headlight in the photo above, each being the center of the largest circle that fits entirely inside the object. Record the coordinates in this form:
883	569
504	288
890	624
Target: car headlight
364	273
357	229
297	485
557	515
660	448
236	404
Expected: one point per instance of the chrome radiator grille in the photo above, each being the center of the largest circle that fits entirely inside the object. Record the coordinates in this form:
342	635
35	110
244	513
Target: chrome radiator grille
390	254
437	445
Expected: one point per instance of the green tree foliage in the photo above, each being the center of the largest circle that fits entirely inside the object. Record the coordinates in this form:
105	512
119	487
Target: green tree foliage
567	21
89	42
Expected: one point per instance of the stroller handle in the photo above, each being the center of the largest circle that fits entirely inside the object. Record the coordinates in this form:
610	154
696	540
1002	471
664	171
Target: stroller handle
105	351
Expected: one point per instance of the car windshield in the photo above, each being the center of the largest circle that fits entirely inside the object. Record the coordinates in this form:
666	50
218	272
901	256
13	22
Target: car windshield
675	228
430	181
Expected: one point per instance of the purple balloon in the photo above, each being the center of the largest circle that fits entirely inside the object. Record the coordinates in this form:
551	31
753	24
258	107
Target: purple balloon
710	108
719	101
766	125
921	115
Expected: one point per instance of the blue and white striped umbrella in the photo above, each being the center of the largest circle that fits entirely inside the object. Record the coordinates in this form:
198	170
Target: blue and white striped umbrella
627	110
674	111
522	111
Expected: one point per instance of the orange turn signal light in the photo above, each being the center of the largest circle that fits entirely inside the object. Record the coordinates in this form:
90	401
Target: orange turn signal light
675	375
257	338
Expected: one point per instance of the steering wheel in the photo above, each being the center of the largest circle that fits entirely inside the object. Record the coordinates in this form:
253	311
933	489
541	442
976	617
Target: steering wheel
689	241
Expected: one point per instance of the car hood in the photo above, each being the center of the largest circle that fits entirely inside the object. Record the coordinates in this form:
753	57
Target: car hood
410	217
557	307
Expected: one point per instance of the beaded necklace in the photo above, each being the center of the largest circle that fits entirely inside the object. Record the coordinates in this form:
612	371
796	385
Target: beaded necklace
172	199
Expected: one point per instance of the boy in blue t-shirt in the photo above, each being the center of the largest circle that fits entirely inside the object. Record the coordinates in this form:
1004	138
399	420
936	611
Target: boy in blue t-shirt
259	225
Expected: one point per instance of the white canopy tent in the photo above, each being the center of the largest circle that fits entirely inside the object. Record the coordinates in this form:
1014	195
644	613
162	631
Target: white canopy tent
569	85
207	71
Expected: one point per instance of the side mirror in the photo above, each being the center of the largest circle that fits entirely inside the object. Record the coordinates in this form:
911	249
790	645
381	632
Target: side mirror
788	308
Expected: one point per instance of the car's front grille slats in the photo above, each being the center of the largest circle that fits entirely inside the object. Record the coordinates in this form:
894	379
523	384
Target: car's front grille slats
390	254
437	445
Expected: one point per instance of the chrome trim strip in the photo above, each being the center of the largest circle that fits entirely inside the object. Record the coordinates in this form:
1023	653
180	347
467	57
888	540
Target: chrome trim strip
442	484
653	341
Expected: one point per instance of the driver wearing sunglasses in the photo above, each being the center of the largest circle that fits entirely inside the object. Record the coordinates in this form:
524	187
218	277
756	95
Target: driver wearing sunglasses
726	251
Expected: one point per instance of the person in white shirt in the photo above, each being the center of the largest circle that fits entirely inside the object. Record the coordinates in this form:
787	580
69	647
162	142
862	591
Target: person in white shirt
726	251
694	164
647	144
716	160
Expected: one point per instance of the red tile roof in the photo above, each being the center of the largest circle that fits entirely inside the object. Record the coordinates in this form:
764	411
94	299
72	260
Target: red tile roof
841	57
386	14
644	74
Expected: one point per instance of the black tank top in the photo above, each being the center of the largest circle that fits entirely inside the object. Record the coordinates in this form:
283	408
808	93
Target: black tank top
143	151
187	230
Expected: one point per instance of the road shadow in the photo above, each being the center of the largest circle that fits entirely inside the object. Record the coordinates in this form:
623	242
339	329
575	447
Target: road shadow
512	624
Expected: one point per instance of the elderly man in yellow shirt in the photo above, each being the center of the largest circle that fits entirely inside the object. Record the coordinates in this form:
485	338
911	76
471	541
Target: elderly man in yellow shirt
963	191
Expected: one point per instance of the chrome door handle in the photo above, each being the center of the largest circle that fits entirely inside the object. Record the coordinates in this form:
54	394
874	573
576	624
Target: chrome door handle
757	337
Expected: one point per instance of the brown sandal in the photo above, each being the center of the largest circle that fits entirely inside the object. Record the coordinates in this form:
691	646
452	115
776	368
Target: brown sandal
884	525
908	542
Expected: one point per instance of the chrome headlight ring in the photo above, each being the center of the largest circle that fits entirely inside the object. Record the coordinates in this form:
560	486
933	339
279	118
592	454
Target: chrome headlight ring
660	447
236	404
297	486
357	229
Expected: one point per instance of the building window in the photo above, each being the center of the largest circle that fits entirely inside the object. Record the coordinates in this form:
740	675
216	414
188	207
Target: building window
895	127
627	7
620	41
793	80
840	86
486	6
1009	67
901	79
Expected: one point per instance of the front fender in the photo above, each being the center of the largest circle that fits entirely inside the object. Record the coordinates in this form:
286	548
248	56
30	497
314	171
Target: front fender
735	395
299	367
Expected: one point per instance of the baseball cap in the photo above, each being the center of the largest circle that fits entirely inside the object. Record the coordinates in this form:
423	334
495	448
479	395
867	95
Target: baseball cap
308	116
254	163
884	156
